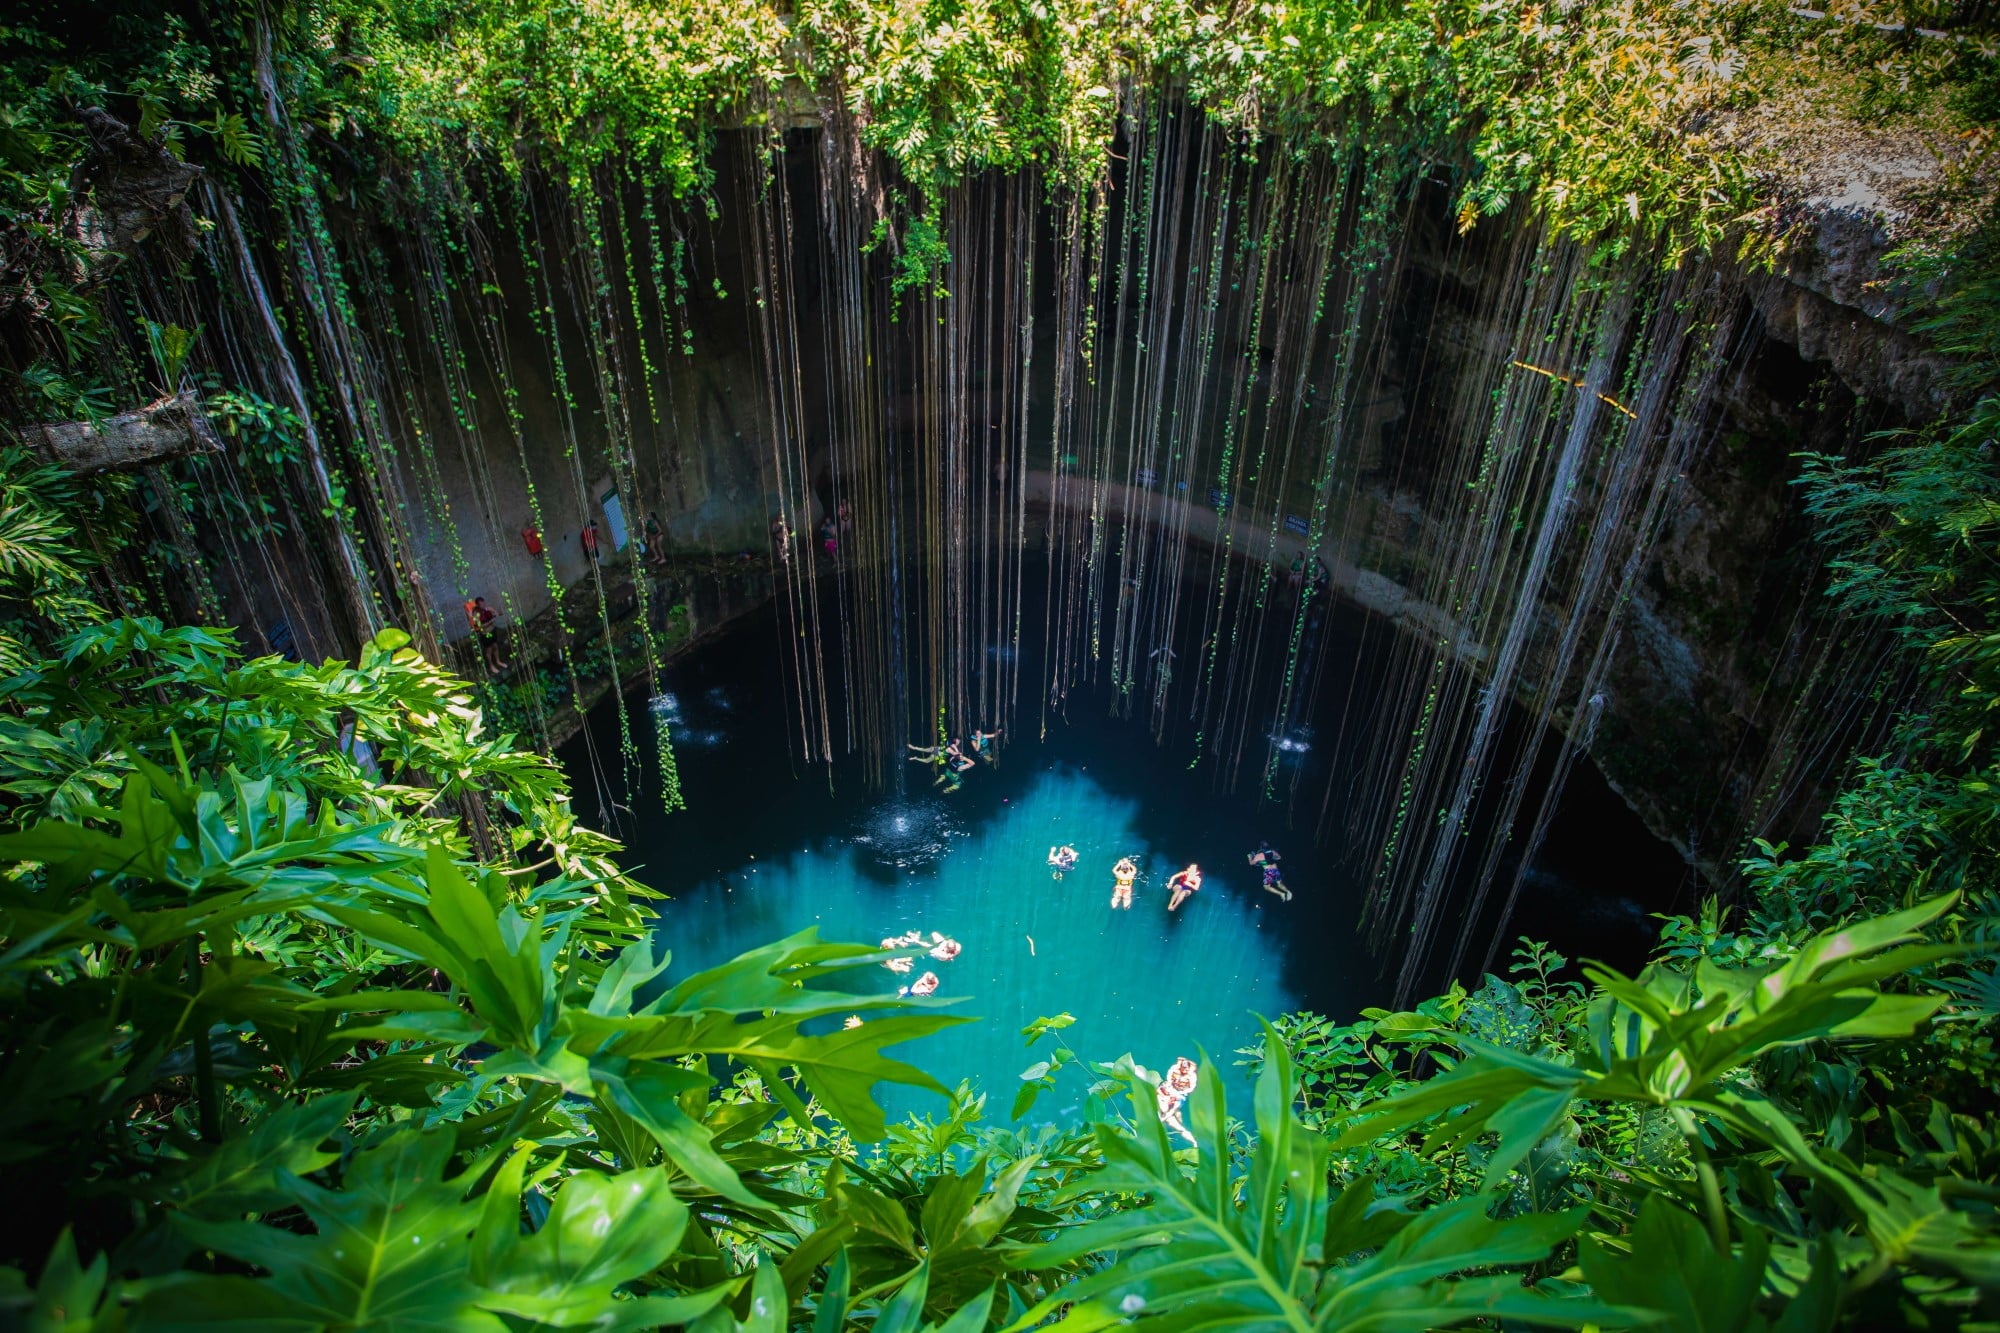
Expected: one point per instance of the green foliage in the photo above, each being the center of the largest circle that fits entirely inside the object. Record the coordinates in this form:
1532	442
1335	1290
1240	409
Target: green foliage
1272	1250
263	1002
319	1009
43	585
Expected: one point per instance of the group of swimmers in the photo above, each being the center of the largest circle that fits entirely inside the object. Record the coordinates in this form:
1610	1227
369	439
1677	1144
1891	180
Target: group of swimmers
941	947
951	759
1181	886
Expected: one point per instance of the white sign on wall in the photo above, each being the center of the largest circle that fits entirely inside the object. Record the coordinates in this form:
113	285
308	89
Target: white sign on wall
614	514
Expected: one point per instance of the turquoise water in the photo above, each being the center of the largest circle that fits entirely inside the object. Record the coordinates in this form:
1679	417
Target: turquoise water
770	846
1143	981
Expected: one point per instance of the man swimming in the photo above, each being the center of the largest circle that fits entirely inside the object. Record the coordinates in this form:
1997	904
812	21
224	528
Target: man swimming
1274	881
944	948
982	744
1122	876
926	984
1184	885
1062	859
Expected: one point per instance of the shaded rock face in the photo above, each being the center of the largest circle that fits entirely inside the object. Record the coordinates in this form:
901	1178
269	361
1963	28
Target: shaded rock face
1833	306
1732	699
1717	726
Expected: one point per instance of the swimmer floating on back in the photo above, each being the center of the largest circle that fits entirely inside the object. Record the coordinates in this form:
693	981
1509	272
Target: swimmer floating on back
1175	1089
1274	881
1183	885
926	984
897	964
1062	859
1122	875
944	948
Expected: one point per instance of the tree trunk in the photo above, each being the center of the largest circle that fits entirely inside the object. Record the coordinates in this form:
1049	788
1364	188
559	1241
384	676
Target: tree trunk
169	428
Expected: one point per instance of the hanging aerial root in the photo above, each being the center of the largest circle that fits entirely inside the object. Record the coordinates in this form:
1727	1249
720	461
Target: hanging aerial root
1555	375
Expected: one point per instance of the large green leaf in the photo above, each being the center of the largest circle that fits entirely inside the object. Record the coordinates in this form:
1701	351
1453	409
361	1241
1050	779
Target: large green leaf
1669	1264
601	1232
245	1173
390	1249
1209	1251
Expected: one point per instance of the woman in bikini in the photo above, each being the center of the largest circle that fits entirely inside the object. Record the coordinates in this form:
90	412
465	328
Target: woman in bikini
1183	885
1175	1089
1122	876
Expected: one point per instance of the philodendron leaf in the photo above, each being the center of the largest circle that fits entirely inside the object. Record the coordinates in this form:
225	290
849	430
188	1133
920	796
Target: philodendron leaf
755	1010
1214	1252
904	1312
766	1313
242	1175
601	1231
389	1250
1668	1264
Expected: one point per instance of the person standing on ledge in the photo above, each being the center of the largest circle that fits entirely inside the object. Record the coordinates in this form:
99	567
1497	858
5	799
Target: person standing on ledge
1122	876
589	540
656	540
481	617
1184	885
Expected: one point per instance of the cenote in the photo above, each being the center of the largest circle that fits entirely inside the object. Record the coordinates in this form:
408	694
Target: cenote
770	845
544	546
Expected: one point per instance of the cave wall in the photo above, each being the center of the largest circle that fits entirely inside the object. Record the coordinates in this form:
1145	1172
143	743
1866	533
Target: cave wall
699	440
1701	727
1733	699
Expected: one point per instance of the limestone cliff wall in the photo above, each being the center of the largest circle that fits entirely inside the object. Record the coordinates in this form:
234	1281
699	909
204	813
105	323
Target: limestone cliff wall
1733	702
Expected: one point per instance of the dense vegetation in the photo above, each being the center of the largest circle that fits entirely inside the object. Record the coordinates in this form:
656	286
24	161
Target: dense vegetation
318	1009
1615	121
322	1012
